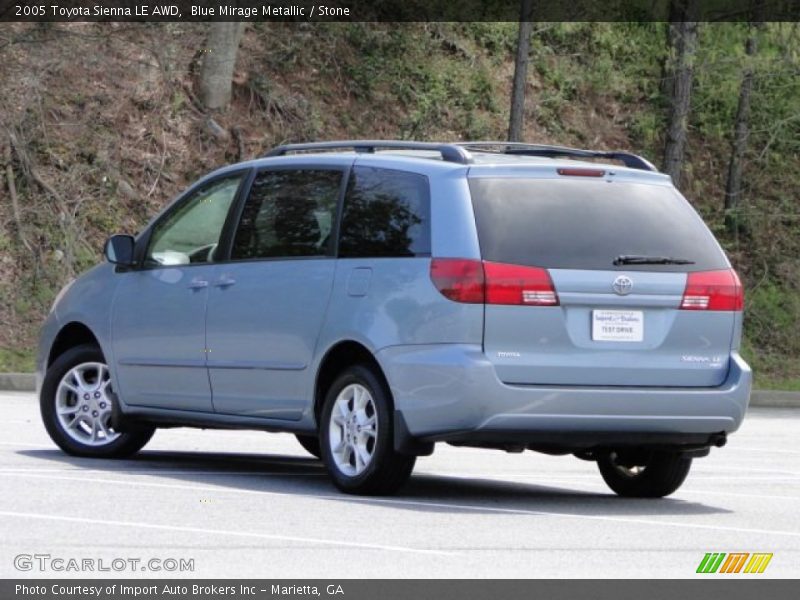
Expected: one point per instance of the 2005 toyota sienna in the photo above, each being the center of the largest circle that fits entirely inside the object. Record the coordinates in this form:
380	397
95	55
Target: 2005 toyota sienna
375	298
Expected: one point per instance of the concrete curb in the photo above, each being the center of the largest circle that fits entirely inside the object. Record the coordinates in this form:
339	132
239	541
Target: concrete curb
26	382
775	399
17	382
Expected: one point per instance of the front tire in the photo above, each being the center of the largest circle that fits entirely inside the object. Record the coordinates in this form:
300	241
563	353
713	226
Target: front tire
76	404
357	435
644	475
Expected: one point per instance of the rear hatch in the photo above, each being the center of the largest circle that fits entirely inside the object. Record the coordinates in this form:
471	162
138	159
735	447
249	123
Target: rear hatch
592	281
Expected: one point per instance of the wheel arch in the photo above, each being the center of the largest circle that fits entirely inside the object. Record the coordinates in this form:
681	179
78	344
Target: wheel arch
71	335
350	352
338	357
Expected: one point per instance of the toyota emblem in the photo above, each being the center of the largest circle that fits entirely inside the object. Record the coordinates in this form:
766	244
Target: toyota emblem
622	285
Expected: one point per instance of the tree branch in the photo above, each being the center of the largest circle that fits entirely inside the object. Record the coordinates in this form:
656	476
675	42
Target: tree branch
12	191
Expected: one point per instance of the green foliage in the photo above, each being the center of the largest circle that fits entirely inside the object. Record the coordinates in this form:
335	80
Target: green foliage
773	312
482	93
718	71
16	361
496	38
476	127
645	128
416	76
772	371
178	102
785	385
772	344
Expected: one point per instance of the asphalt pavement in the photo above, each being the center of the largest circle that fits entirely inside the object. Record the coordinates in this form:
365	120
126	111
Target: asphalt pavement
252	504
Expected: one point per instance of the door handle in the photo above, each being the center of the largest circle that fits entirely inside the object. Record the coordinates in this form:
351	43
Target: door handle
225	281
197	283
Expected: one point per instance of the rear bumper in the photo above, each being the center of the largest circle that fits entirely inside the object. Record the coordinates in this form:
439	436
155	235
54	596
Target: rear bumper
451	392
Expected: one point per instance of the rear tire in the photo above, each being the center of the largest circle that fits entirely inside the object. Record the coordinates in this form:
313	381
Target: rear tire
76	403
650	475
310	443
357	435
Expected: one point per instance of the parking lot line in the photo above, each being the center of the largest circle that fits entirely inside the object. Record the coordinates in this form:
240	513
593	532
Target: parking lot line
135	472
768	450
421	503
23	444
500	475
581	480
223	532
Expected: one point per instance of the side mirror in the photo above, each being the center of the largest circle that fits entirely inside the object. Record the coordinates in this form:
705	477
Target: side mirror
119	250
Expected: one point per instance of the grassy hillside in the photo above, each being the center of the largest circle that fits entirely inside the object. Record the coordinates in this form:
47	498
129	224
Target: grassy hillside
107	129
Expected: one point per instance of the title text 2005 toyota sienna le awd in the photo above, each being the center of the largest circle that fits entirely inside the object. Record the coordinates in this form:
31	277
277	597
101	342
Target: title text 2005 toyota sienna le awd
375	298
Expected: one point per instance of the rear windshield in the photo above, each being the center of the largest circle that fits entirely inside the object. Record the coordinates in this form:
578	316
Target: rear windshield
568	224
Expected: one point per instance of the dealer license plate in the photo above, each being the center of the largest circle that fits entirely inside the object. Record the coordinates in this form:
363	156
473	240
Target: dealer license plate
617	325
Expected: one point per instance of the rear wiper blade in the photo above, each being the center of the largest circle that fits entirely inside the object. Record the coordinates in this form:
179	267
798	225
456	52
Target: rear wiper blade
635	259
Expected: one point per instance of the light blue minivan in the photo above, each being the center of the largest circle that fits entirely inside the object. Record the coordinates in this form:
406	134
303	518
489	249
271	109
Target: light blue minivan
377	297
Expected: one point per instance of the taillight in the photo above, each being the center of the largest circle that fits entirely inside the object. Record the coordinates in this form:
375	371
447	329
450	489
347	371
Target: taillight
515	284
475	282
459	279
713	290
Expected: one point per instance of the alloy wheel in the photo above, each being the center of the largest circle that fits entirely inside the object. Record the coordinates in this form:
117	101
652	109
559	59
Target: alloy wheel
83	404
353	429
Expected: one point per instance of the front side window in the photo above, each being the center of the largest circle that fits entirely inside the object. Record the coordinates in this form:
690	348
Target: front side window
386	214
190	233
288	213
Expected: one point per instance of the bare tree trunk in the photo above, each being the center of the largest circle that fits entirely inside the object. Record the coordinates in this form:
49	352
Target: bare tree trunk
733	186
219	60
516	119
676	15
680	98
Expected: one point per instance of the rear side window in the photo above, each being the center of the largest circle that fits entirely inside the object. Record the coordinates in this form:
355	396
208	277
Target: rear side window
386	213
288	213
565	224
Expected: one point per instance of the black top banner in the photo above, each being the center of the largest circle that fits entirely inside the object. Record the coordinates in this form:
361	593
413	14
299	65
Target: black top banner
401	10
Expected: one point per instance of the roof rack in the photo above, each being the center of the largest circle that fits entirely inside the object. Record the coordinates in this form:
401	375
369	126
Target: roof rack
632	161
450	152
